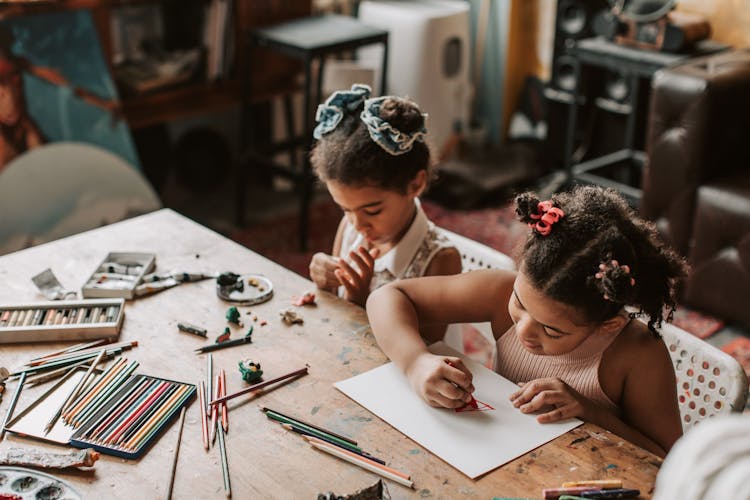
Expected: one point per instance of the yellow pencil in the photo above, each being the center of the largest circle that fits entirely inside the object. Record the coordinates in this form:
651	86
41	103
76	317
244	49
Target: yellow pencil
605	484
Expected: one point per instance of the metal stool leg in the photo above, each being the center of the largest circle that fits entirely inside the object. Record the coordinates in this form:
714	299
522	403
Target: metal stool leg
304	180
289	119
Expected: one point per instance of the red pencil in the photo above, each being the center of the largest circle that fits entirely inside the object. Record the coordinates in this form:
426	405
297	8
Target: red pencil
224	412
259	385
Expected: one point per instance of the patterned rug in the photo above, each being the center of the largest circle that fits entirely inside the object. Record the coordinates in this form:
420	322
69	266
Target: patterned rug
739	349
495	227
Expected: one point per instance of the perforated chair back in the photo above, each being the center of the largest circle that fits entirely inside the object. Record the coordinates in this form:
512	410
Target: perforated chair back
709	381
474	256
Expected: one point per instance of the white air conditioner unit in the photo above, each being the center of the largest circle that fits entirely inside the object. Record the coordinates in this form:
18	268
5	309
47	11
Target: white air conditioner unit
428	58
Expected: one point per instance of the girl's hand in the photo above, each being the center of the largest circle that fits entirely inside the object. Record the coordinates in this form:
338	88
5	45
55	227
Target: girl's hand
356	281
323	271
441	381
551	396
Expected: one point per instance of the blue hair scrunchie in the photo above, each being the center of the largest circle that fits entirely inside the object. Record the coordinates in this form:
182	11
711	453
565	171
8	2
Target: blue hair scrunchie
390	139
339	104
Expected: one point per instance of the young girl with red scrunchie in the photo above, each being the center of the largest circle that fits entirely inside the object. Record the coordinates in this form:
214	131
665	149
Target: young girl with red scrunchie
563	323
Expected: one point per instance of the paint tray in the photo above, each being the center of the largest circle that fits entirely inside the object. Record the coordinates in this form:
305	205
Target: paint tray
119	274
29	484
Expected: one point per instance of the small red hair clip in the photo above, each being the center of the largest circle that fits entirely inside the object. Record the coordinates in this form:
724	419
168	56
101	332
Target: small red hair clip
546	216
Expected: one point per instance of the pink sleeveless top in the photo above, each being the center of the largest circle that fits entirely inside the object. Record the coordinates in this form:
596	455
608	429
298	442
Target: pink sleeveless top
578	368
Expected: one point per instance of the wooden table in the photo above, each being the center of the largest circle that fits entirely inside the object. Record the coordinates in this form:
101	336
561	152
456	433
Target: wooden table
265	460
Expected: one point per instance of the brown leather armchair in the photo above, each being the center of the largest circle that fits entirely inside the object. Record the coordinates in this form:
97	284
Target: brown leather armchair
696	181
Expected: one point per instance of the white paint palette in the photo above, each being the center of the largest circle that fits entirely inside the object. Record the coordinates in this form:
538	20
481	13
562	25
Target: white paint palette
29	484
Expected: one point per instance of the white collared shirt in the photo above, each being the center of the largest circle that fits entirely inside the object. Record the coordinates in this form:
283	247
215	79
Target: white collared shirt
409	258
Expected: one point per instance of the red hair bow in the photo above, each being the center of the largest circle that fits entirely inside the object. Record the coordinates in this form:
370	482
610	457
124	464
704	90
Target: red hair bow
546	216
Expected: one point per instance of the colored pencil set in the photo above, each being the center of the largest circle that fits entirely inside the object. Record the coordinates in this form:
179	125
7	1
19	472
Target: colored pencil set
121	414
339	446
61	320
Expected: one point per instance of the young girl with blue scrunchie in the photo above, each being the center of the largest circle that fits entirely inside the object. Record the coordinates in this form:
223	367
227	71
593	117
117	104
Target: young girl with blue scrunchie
371	155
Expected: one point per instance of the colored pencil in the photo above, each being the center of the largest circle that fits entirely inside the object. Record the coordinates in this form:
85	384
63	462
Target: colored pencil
202	405
131	396
224	464
90	350
314	432
104	394
321	429
176	453
88	395
12	405
73	393
84	381
215	410
73	348
85	399
160	399
131	421
153	394
156	424
595	483
305	434
209	382
364	463
224	411
381	463
150	427
260	385
221	345
40	379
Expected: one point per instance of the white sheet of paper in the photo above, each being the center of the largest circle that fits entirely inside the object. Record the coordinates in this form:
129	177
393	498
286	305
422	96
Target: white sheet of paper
474	442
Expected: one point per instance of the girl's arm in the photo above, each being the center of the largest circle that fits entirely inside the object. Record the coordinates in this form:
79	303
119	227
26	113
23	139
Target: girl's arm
398	310
446	262
649	397
635	372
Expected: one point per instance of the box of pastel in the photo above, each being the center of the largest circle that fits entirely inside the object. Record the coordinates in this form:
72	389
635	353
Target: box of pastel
119	274
61	320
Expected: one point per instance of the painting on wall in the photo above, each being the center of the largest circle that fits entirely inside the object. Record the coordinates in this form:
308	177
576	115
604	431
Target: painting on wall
67	160
55	86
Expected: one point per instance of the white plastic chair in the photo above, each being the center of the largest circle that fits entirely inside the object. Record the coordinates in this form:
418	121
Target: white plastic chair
710	382
474	256
63	188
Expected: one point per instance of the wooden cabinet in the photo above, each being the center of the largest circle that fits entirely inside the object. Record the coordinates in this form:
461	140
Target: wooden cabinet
199	97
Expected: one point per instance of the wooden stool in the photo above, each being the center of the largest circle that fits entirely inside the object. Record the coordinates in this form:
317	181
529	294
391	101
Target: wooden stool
307	39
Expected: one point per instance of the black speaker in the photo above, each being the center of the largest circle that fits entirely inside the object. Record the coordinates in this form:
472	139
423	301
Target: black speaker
574	20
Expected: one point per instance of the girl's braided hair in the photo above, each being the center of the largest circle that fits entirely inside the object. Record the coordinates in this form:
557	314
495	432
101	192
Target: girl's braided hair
349	156
599	256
